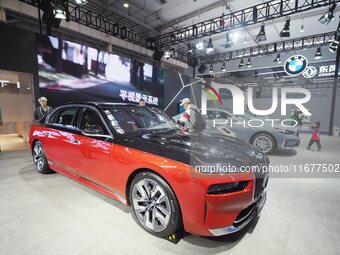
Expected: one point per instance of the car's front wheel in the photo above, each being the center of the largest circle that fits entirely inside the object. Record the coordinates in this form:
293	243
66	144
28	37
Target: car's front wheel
39	159
155	207
264	143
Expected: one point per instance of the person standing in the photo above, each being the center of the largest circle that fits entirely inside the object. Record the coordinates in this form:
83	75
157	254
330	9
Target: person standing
191	116
315	136
43	109
296	121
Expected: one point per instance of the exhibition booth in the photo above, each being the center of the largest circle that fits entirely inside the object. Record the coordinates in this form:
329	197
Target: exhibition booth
185	145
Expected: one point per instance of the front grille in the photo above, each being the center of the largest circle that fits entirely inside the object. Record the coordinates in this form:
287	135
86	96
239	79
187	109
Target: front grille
258	188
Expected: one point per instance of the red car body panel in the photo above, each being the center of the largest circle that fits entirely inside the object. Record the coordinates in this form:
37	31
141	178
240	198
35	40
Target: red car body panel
106	167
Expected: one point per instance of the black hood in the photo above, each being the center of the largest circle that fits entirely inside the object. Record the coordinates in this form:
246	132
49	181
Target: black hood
201	148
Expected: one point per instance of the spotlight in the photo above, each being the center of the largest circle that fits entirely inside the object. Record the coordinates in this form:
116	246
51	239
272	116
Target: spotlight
334	46
228	42
277	59
126	4
328	16
262	35
167	55
223	69
241	64
318	54
211	70
249	63
210	46
200	46
59	11
81	2
286	30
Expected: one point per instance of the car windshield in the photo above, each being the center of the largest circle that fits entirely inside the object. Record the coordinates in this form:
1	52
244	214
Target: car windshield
130	119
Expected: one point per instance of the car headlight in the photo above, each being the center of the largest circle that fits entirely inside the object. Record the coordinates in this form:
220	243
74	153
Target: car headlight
285	131
227	187
281	130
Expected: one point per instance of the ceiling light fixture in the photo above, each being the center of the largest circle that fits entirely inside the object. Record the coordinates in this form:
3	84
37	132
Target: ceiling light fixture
277	59
191	48
167	55
59	11
249	63
81	2
333	47
228	42
241	64
211	70
302	29
262	35
286	29
126	4
210	46
223	69
318	54
200	46
328	16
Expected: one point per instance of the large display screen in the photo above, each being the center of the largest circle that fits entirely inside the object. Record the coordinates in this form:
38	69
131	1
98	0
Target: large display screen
70	71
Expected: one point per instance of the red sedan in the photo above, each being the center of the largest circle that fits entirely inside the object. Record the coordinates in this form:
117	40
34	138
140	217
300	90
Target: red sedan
139	156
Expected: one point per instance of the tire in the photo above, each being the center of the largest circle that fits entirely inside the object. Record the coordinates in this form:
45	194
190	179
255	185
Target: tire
154	205
264	142
39	159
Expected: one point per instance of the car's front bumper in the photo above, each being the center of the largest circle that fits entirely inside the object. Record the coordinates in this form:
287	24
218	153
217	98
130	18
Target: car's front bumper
244	217
289	142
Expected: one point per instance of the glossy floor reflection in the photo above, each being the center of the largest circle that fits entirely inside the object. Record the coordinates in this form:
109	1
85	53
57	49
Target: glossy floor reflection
52	214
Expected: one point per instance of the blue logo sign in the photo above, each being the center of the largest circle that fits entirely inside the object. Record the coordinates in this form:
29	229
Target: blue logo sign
295	65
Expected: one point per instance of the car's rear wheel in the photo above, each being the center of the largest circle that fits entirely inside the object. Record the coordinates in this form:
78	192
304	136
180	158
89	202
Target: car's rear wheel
264	143
155	207
39	159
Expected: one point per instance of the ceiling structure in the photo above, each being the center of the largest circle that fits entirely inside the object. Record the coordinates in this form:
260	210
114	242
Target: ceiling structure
166	16
155	18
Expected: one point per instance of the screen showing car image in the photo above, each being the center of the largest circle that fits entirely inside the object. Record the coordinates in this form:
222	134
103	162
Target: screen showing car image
69	71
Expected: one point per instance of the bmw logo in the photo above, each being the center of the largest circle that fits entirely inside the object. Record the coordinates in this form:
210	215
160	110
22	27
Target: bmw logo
295	65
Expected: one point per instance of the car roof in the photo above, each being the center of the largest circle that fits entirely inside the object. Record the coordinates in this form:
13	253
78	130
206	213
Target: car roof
100	104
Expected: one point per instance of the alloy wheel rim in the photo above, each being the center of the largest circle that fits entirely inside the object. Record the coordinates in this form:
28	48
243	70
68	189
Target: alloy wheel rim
38	157
263	143
151	205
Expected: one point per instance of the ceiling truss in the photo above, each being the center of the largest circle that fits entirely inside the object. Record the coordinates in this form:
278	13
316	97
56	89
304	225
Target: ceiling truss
271	48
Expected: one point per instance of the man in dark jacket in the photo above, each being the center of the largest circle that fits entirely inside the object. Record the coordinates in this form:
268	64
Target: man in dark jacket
43	109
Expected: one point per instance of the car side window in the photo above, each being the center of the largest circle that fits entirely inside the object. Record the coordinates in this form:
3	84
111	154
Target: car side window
90	122
64	117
